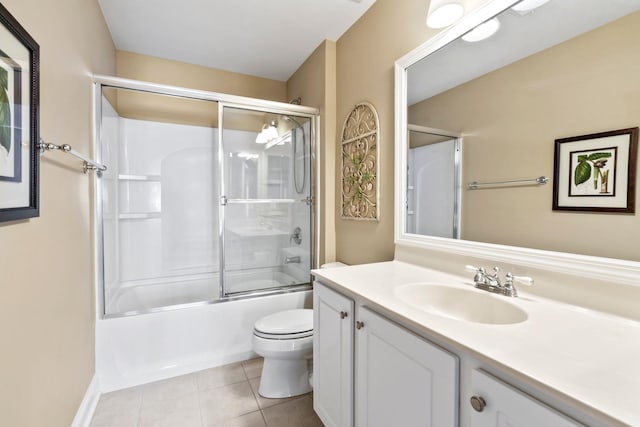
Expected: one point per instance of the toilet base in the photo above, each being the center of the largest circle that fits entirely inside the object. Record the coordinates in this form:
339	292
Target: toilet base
284	378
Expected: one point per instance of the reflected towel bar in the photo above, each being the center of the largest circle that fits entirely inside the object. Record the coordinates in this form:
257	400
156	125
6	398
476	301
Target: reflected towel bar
541	180
88	163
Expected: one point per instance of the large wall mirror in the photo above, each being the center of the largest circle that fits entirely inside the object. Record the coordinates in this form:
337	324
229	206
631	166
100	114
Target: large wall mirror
564	69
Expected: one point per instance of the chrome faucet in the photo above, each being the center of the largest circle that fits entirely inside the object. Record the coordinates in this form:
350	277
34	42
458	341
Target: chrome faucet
492	283
296	236
292	260
493	280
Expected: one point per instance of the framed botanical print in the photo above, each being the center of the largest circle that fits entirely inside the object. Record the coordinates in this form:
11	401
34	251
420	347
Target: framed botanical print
596	172
19	127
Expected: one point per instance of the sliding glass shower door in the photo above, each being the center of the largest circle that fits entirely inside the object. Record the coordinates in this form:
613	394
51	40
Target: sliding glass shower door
202	201
266	203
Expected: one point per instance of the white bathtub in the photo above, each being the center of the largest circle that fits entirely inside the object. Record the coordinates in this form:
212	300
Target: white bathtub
144	297
134	350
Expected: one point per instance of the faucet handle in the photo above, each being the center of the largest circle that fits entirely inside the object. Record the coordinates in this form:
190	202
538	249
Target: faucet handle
480	277
508	289
474	269
525	280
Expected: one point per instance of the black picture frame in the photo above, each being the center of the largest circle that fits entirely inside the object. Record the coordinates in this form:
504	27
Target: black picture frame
596	172
19	121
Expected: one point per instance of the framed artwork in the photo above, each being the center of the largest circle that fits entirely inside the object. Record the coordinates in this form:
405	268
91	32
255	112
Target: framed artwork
19	127
360	164
597	172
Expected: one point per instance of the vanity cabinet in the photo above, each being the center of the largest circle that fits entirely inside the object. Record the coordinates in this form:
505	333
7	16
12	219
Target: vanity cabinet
496	404
399	378
370	371
333	319
402	379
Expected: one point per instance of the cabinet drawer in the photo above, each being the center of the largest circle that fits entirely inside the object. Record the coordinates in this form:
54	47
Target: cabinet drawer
497	404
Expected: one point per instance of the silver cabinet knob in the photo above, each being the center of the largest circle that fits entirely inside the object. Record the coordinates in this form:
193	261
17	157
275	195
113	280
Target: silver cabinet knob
343	314
478	403
359	325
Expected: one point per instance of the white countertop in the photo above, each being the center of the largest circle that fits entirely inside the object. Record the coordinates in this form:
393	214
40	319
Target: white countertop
590	358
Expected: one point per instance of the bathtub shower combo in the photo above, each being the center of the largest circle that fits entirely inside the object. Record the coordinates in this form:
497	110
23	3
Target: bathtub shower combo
208	206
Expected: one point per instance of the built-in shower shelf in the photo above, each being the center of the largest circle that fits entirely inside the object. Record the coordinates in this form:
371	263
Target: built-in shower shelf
256	231
272	214
123	177
139	215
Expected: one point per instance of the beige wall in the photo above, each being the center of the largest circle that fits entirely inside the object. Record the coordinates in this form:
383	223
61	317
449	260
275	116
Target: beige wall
144	106
46	287
164	71
510	119
315	83
365	58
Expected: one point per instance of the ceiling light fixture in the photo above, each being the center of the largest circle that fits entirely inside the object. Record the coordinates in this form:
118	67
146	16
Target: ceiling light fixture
482	31
443	13
528	5
268	133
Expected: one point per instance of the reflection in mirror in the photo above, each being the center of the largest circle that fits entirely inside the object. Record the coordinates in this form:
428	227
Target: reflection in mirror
433	182
268	156
568	68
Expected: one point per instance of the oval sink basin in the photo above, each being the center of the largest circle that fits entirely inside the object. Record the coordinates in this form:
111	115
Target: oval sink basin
461	304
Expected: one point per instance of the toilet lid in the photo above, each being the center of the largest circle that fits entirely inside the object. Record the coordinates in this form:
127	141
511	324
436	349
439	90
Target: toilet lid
286	322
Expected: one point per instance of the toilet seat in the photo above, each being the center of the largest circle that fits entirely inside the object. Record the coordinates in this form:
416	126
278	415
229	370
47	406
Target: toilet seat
285	325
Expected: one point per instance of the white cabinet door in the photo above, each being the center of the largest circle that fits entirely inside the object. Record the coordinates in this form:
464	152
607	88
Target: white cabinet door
500	405
333	316
401	379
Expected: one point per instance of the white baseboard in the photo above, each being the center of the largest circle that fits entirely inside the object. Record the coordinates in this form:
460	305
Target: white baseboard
88	405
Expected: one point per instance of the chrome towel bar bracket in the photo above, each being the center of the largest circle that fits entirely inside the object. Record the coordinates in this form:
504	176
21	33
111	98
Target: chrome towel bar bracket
88	165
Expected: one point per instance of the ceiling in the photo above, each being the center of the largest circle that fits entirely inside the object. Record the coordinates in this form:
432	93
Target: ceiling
263	38
519	36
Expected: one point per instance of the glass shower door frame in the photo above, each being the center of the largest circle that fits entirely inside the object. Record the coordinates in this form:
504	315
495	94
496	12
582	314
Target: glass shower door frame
99	83
311	200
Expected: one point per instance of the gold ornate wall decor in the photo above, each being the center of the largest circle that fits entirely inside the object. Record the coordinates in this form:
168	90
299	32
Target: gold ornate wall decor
360	136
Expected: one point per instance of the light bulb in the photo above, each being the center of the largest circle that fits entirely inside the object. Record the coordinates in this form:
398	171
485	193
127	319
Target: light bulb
444	14
271	132
482	31
262	136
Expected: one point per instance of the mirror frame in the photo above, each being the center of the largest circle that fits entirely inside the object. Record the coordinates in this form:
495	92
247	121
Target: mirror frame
607	269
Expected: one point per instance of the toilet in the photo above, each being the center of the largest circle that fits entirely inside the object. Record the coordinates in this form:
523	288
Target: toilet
285	341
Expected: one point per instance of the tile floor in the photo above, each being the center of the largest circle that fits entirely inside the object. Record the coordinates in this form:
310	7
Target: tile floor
223	396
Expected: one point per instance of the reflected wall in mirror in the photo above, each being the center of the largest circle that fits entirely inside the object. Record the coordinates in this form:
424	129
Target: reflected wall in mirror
433	182
570	67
